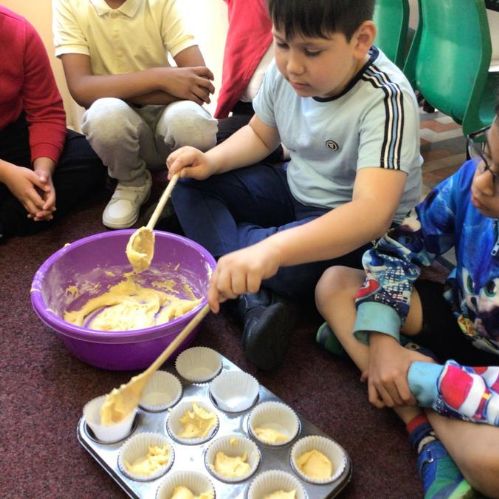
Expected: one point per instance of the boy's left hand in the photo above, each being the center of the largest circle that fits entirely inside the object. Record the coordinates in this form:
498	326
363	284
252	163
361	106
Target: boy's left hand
242	271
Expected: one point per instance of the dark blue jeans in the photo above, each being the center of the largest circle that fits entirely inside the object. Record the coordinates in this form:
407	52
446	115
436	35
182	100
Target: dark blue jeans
239	208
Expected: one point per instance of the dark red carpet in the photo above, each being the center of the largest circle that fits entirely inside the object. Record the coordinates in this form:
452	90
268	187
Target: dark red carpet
43	390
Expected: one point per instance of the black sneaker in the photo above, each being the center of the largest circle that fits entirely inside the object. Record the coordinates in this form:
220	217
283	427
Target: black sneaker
268	323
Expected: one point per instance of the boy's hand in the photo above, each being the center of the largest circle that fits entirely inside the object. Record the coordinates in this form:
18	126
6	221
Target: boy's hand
189	162
189	83
241	272
389	363
48	196
35	194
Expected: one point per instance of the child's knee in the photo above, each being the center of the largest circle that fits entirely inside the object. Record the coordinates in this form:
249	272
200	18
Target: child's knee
186	123
336	283
104	121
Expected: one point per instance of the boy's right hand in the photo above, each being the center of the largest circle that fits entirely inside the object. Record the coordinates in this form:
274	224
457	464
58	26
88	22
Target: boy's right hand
189	83
189	162
27	187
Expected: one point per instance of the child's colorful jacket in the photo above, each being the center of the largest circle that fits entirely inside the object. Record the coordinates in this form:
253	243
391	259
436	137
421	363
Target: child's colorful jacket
445	219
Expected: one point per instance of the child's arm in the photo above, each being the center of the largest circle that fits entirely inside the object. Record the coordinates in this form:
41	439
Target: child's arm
159	85
42	105
191	57
247	146
387	302
376	195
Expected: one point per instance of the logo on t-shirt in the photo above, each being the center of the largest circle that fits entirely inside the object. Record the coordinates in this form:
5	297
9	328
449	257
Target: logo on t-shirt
332	145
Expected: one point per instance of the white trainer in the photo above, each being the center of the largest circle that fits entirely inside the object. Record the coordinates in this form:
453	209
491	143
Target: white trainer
123	209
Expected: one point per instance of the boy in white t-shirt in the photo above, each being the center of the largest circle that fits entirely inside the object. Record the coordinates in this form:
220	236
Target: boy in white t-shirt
349	118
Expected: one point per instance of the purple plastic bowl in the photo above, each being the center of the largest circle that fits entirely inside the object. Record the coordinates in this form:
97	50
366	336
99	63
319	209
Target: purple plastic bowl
88	260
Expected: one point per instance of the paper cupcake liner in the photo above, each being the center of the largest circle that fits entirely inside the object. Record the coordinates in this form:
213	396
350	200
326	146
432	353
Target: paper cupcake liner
137	447
199	364
272	481
234	391
233	446
106	433
195	481
175	427
162	391
274	416
328	447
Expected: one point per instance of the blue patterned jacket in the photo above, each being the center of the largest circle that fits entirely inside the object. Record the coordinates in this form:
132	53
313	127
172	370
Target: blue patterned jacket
445	219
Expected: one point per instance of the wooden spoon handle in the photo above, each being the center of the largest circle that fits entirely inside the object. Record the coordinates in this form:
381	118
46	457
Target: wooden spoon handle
162	201
176	342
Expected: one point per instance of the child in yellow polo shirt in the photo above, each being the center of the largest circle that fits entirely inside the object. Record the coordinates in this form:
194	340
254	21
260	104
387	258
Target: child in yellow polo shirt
138	107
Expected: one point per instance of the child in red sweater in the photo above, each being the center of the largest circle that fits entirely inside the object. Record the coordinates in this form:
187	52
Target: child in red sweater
248	52
44	169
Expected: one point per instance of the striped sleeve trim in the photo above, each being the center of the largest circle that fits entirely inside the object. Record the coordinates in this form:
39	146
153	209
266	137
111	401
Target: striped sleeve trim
394	122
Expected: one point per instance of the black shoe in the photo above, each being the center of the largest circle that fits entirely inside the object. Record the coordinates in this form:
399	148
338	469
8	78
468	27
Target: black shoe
249	301
268	325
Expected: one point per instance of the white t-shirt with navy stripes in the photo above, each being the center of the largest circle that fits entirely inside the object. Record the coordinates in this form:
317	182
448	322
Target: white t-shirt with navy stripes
374	122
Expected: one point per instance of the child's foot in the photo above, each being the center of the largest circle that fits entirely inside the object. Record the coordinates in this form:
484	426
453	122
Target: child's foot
327	340
123	209
440	475
268	323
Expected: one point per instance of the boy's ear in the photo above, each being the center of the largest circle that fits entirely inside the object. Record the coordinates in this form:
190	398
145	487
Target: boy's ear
364	37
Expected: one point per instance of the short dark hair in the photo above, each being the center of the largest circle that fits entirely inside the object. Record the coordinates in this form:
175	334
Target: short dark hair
319	18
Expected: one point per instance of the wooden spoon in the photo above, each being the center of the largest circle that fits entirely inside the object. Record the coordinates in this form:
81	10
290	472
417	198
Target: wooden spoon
140	247
121	401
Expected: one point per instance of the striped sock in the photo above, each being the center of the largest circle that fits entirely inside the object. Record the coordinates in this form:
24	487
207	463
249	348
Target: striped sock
420	432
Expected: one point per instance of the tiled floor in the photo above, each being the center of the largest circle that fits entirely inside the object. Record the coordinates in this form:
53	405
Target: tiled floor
443	147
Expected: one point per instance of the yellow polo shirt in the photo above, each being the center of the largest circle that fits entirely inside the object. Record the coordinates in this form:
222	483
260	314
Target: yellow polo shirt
136	36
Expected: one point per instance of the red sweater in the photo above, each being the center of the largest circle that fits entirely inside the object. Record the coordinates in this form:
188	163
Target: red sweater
248	38
27	84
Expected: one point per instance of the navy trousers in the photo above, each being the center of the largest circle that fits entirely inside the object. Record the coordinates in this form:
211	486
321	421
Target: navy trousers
239	208
78	176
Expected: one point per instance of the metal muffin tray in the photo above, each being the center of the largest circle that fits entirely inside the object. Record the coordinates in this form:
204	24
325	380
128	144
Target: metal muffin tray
189	457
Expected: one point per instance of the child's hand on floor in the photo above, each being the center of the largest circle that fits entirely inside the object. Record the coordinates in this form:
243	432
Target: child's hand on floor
241	272
189	162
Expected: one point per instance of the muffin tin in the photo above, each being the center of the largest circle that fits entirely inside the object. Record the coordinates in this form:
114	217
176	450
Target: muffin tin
193	456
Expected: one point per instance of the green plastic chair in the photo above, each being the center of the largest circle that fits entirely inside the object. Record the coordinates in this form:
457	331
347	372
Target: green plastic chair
392	20
449	61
